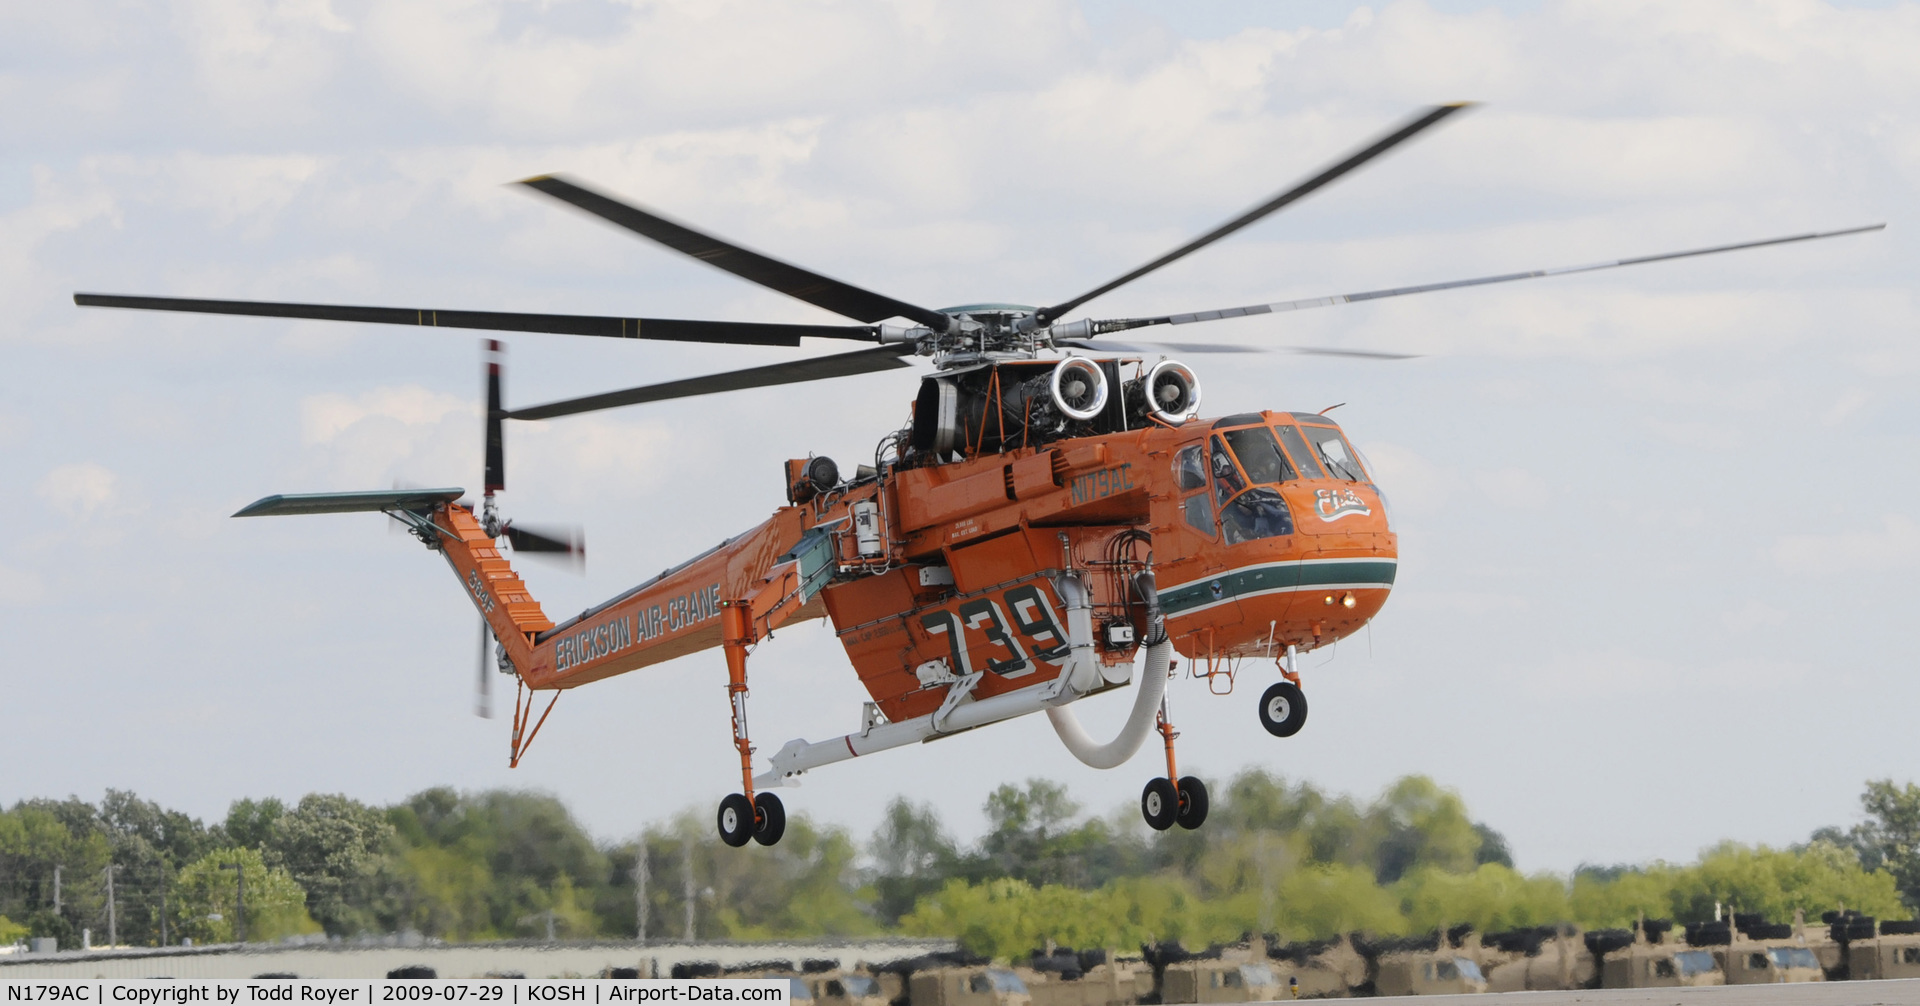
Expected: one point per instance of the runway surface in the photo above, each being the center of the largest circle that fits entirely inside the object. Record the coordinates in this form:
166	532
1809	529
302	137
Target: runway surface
1902	992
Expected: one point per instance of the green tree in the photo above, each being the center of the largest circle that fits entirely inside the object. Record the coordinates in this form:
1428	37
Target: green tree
1421	824
206	897
1774	882
1893	833
1491	898
250	822
335	848
913	856
38	836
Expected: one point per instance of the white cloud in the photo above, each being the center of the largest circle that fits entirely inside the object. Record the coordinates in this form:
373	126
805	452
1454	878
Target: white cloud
1849	403
1895	546
1513	488
20	586
323	418
79	491
1416	484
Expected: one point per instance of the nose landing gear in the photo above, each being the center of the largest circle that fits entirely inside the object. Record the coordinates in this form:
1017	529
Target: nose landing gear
1283	707
1165	803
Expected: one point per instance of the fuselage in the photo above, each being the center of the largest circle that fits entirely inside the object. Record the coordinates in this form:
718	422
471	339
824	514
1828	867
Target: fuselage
1264	530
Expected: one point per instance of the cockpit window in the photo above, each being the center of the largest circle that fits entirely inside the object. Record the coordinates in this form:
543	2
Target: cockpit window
1257	513
1297	446
1260	455
1331	449
1227	479
1190	467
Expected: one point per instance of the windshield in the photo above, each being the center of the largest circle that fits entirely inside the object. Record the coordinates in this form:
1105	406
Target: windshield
860	985
800	989
1297	446
1331	449
1257	513
1260	455
1258	974
1793	957
1468	969
1694	962
1007	981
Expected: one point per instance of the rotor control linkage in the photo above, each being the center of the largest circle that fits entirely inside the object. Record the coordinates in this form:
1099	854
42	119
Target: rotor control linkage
746	815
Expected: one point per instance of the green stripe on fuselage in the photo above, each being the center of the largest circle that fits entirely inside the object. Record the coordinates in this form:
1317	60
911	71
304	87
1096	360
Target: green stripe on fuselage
1276	577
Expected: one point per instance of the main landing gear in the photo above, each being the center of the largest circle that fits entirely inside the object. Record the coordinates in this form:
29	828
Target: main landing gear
1283	708
1165	803
747	816
762	819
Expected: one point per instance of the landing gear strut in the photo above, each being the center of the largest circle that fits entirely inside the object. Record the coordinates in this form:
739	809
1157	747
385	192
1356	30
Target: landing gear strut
1165	803
744	816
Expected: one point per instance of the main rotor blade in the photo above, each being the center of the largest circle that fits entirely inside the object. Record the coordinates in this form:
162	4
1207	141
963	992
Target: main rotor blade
745	333
1401	291
863	361
1379	146
1226	347
801	284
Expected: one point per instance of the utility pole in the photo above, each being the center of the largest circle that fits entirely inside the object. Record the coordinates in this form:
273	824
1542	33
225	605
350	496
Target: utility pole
686	877
640	892
113	922
163	903
56	889
240	901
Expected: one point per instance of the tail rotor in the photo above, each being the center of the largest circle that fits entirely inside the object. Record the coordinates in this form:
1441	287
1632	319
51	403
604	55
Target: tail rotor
569	544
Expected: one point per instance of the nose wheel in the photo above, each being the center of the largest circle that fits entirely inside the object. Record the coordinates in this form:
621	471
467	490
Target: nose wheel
1283	709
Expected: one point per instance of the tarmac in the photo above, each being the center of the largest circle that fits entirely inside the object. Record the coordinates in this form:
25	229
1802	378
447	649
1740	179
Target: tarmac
1899	992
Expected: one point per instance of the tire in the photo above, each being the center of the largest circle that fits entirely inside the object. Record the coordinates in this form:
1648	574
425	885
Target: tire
1283	709
1193	803
1159	804
736	820
773	818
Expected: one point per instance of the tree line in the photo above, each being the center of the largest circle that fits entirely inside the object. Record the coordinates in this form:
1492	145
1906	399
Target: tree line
1275	856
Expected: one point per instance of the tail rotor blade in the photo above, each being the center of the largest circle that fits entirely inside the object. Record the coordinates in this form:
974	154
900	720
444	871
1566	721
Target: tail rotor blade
565	543
483	688
496	477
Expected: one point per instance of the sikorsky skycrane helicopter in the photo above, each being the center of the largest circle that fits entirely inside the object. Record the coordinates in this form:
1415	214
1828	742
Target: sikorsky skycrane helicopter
1040	530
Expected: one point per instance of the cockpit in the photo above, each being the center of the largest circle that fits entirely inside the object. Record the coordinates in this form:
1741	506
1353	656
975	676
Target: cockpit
1246	466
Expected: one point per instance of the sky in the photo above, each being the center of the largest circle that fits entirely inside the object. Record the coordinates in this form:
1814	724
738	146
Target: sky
1658	525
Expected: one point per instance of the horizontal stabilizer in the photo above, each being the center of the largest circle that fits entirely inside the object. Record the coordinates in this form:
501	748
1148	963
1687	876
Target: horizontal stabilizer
355	502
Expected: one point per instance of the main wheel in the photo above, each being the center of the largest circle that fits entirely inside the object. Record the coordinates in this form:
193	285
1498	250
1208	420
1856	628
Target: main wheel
1283	709
1159	804
736	820
1193	803
773	818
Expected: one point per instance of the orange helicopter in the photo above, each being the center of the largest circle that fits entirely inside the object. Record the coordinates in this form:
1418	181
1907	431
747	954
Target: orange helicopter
1041	530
